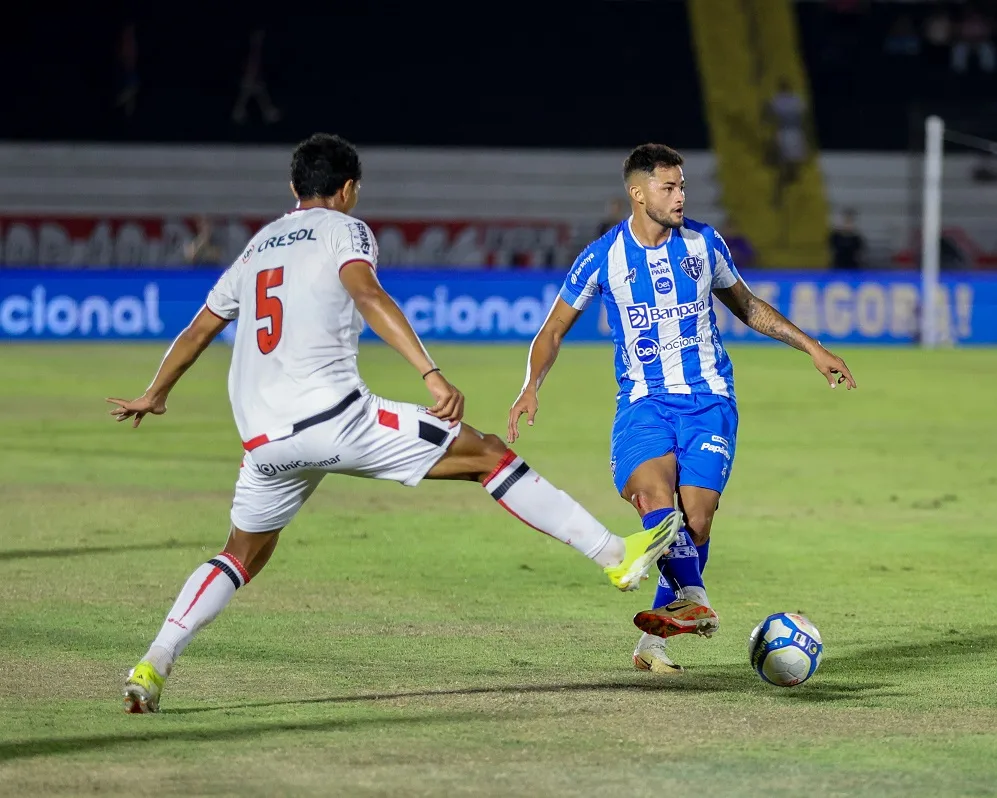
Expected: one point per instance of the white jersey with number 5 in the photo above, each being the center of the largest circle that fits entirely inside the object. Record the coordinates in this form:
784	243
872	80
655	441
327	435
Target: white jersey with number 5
295	350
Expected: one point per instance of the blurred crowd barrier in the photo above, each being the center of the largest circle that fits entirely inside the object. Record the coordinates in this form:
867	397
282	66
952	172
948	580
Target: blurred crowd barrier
444	305
109	206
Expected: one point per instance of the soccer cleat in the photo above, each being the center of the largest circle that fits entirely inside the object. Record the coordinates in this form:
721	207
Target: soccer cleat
643	550
680	617
651	655
142	689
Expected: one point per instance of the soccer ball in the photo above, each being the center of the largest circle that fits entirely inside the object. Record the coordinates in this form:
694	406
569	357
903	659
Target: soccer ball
785	649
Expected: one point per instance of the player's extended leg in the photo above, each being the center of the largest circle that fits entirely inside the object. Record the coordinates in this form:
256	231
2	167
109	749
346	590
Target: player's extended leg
205	594
651	490
705	448
680	597
265	502
538	504
699	505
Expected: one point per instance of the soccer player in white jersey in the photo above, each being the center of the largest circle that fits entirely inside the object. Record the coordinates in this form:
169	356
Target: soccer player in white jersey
676	418
301	290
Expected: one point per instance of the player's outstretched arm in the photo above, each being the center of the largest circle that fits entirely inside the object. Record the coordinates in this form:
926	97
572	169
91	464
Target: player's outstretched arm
181	355
760	316
543	353
386	319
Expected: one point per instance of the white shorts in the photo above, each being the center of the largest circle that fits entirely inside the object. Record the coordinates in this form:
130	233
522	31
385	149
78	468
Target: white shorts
373	437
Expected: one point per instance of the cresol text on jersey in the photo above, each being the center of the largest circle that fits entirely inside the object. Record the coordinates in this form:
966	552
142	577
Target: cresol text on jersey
288	239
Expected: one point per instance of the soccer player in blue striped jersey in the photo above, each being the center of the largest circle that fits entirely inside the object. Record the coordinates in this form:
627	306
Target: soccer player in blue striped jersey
675	431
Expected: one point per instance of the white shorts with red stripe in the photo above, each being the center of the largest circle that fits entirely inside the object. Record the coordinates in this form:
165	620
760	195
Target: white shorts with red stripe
372	437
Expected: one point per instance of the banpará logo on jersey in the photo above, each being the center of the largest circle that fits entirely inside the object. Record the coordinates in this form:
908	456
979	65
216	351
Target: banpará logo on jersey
693	266
581	267
663	285
269	469
360	237
288	239
641	317
248	253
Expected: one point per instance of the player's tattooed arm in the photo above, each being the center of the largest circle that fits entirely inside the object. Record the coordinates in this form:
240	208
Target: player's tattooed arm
760	316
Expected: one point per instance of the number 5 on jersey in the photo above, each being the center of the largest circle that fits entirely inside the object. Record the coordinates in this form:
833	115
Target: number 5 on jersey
269	309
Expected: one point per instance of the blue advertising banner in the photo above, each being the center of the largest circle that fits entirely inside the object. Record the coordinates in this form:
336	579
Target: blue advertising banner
448	305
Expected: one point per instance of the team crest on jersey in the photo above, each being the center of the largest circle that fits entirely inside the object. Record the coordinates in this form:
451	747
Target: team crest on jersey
693	266
248	253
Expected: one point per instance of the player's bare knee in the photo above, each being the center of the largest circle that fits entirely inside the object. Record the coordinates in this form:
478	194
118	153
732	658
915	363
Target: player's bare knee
493	449
494	446
251	549
699	523
645	500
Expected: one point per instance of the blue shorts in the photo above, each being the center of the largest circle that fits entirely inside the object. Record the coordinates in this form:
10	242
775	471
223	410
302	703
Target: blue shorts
701	429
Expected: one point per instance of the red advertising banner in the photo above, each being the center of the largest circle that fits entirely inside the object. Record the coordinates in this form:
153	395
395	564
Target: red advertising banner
103	241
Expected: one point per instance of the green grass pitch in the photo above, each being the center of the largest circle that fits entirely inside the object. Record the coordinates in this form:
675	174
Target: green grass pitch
421	642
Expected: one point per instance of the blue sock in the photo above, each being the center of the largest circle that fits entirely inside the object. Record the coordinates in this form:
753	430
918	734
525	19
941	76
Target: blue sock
665	593
655	517
681	564
704	555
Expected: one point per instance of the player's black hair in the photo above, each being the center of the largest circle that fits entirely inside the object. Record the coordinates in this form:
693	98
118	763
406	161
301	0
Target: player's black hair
321	165
647	157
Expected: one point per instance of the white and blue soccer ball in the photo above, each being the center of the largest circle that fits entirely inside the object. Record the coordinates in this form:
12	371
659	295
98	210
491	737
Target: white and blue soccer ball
785	649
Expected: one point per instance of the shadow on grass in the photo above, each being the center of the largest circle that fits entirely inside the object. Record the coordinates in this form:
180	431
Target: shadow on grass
59	746
83	551
739	682
924	655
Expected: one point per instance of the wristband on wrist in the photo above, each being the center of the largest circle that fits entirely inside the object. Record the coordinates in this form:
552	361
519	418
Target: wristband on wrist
429	372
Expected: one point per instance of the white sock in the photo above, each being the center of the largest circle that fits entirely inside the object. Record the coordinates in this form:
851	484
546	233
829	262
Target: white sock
697	594
537	503
204	595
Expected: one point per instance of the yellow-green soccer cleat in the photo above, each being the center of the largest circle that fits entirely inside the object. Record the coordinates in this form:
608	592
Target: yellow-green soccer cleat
643	550
142	689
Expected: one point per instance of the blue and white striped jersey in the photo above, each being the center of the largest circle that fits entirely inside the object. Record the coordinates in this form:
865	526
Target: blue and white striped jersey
659	305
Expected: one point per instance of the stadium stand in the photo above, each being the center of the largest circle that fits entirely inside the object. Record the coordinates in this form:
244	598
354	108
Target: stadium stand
570	118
